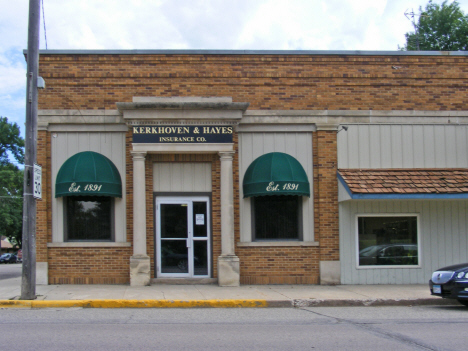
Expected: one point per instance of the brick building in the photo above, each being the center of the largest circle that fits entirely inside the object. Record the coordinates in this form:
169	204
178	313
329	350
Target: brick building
251	167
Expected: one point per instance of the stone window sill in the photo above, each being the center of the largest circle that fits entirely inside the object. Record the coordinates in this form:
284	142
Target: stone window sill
278	243
89	244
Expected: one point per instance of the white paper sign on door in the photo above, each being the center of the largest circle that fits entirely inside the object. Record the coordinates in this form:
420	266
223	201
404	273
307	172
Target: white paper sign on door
200	219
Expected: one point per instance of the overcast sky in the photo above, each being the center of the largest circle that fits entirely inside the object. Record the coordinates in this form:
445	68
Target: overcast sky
196	24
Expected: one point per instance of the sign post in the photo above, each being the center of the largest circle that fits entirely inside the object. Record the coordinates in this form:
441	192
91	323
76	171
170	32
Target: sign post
37	182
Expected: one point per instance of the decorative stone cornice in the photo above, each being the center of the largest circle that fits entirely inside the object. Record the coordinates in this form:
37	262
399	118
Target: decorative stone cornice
75	120
125	106
298	120
182	110
203	111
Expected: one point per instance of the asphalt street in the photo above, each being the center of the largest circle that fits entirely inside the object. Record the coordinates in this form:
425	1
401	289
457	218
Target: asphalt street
319	328
9	271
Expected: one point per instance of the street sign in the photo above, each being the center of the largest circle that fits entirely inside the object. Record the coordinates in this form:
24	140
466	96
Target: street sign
37	182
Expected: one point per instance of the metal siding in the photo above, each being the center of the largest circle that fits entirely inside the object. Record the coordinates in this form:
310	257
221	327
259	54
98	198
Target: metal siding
439	148
431	207
353	146
375	146
462	226
450	146
396	145
386	147
407	147
342	152
418	133
448	229
442	238
403	146
461	137
182	177
363	148
456	234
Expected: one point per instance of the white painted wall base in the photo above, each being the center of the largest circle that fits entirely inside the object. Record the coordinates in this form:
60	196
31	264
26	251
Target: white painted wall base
42	273
228	270
330	272
140	271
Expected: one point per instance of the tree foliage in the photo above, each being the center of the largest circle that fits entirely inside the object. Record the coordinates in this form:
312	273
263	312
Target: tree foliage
11	182
10	142
439	28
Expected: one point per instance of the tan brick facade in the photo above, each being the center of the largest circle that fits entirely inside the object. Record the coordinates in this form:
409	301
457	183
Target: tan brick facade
283	82
267	82
44	206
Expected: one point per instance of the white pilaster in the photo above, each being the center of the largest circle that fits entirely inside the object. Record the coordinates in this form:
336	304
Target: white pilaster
139	263
228	262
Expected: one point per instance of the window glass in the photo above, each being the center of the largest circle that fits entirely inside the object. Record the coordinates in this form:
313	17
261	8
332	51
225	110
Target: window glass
388	241
276	217
89	218
200	220
174	221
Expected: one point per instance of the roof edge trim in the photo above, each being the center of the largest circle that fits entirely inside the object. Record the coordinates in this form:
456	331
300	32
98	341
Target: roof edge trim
252	52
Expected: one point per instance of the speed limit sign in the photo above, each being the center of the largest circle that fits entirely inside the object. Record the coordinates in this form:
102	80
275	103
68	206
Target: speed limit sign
37	192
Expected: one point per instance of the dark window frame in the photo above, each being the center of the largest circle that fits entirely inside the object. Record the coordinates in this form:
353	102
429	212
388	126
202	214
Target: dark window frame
298	213
66	200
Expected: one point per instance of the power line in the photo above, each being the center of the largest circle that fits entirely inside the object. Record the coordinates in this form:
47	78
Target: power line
43	20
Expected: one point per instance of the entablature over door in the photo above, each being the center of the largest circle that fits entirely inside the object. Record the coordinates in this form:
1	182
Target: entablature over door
182	124
182	110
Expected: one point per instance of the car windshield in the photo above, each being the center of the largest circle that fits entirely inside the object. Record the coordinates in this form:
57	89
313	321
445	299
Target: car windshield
5	255
370	251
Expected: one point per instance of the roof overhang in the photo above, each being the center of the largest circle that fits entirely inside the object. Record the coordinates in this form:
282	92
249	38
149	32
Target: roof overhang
402	184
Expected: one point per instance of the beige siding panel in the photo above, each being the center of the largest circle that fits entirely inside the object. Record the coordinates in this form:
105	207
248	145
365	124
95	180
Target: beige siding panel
403	146
182	177
374	139
407	147
418	132
430	146
442	234
298	145
65	145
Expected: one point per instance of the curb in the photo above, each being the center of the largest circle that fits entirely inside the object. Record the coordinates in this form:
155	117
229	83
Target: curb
133	303
374	302
121	303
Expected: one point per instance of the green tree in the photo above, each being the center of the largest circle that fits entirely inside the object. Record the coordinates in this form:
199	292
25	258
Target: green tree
439	28
11	181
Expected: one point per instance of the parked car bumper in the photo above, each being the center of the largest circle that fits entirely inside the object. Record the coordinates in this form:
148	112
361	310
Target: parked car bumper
451	290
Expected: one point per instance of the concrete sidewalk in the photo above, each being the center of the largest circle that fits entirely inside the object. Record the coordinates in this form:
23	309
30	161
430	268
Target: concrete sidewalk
211	295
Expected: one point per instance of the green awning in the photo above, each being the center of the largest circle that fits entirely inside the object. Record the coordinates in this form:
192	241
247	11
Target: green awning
88	174
275	173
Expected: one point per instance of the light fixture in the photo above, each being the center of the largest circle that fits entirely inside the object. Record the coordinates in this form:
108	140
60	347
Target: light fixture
345	128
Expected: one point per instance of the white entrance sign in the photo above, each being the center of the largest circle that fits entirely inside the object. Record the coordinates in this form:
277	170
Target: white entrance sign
37	193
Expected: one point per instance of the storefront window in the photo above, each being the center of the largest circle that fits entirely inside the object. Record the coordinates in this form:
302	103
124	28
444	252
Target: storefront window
388	241
88	218
276	217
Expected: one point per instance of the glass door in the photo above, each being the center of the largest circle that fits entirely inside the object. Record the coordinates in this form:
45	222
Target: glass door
182	237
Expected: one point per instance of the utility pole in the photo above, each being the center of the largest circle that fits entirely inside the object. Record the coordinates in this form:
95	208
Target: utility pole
28	284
